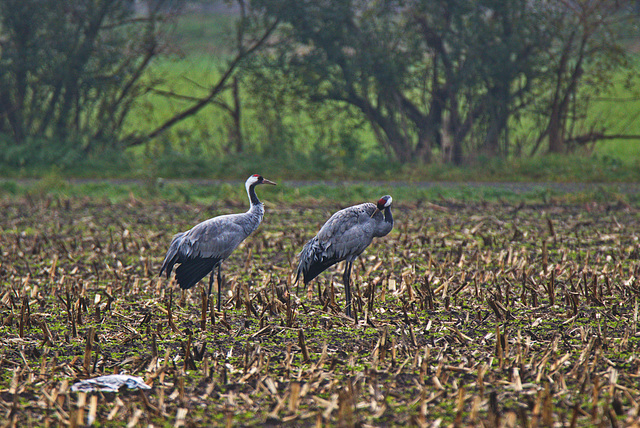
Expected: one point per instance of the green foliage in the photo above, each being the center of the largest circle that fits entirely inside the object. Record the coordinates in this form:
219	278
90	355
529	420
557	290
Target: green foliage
40	156
36	154
282	122
69	74
205	34
618	110
448	79
287	133
338	194
51	183
177	75
9	187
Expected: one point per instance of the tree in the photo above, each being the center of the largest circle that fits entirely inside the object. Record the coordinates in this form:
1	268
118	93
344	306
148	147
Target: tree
69	71
483	66
585	51
336	52
445	76
252	34
72	72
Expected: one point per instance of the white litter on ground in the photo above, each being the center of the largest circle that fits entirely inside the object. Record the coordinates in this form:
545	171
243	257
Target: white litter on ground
110	383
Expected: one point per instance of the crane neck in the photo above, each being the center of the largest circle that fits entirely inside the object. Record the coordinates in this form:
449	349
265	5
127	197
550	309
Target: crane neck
388	218
253	198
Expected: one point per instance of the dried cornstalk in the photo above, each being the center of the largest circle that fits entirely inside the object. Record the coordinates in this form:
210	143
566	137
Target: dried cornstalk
88	348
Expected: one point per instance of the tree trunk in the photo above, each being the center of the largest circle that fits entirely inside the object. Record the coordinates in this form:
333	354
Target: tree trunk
498	100
235	132
556	143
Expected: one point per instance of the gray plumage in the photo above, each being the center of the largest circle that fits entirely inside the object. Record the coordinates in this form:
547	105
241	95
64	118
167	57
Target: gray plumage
201	249
344	237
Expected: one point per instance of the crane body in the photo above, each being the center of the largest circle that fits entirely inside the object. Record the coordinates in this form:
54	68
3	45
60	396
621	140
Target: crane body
203	248
344	237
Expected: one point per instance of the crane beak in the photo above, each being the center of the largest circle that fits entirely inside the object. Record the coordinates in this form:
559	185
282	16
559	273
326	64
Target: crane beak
375	211
265	181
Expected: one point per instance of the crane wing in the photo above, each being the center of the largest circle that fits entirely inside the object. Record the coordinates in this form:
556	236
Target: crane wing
344	236
348	232
201	248
215	238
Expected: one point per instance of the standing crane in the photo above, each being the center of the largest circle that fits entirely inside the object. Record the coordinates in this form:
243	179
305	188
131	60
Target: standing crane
204	247
344	237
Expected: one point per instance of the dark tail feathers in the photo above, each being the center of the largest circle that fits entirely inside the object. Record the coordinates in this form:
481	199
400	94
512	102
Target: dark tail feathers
173	255
191	271
312	262
315	269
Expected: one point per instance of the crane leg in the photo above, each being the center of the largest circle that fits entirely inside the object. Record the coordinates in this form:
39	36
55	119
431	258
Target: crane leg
347	287
211	281
219	285
210	285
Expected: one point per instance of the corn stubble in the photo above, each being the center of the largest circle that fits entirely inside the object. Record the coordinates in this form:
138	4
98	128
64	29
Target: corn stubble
467	314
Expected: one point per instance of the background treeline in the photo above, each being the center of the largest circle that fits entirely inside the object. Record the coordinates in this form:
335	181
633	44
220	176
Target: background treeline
320	88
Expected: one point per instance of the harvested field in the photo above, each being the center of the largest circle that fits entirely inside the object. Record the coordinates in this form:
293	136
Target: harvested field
486	314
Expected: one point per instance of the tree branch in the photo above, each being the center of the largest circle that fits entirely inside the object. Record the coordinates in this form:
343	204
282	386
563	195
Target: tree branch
201	103
599	136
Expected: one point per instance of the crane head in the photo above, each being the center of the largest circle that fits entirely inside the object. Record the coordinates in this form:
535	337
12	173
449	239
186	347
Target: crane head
258	179
384	202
